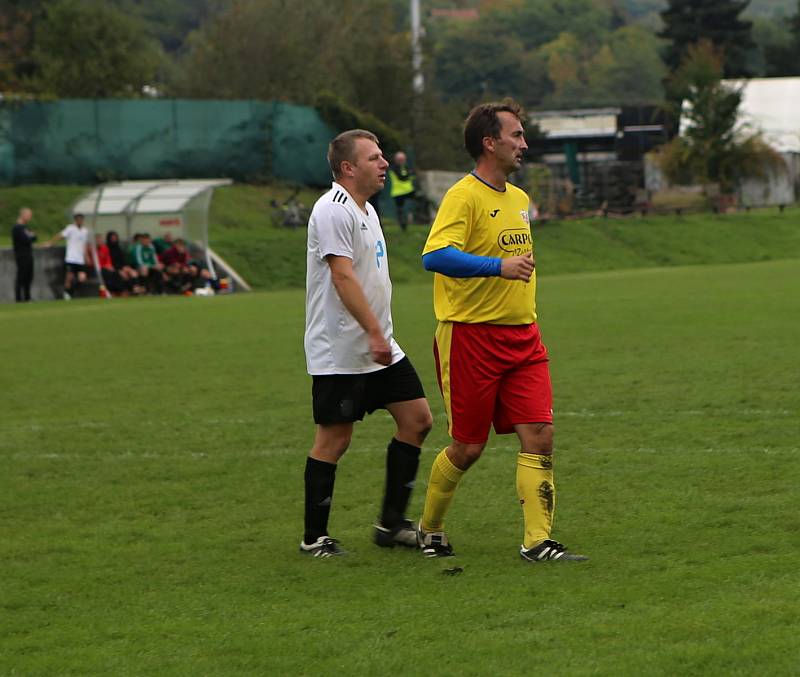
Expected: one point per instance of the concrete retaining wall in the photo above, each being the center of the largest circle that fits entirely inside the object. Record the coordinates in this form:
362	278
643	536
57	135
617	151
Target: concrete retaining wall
48	274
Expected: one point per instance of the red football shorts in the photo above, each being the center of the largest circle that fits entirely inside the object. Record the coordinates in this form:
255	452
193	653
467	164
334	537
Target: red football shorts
492	374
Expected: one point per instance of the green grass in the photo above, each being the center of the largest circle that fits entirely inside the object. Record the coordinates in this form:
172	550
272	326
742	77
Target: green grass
271	257
274	258
151	492
50	205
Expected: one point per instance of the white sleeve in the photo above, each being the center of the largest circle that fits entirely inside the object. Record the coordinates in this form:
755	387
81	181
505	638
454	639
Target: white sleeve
334	231
65	233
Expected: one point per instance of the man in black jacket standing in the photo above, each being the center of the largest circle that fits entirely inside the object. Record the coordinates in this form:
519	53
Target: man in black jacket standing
23	239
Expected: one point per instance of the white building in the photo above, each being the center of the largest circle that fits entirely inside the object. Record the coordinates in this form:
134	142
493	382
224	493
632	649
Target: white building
772	106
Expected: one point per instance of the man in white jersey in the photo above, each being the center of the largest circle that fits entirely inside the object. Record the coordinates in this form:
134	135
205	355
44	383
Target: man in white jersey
356	365
77	238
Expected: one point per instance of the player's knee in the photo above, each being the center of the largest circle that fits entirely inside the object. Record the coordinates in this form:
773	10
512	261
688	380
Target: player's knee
540	441
473	453
330	443
414	423
425	424
340	447
330	449
463	455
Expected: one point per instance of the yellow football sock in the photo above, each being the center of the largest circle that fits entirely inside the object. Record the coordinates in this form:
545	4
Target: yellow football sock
441	487
537	495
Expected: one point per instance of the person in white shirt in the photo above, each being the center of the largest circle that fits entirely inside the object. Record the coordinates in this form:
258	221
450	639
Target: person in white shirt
77	239
355	363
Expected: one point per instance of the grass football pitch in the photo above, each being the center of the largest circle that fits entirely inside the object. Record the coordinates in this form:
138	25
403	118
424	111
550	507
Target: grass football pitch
151	461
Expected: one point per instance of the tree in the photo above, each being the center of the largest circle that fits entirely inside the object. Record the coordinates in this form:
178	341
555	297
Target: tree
627	70
170	21
565	69
260	49
778	43
374	71
86	48
686	22
18	19
290	51
714	146
470	67
536	22
792	54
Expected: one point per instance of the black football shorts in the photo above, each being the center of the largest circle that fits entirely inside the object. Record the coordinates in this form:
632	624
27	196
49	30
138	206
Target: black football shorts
345	398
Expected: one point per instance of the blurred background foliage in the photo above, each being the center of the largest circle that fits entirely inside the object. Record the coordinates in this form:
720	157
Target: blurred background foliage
352	58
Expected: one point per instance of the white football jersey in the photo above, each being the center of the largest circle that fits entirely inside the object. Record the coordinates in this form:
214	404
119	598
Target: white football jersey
76	243
335	342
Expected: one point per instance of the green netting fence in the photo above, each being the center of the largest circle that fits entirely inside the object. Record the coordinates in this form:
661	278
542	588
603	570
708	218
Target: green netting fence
90	141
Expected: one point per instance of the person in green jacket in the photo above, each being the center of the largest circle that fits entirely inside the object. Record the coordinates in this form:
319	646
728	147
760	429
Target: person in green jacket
147	264
402	188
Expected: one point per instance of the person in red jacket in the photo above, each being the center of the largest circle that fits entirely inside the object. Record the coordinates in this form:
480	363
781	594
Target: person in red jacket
101	256
177	265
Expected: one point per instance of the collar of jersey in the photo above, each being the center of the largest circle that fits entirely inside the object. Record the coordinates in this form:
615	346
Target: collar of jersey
496	190
334	184
347	192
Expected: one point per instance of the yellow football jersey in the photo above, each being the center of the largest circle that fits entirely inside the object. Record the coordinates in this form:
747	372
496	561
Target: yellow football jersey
479	219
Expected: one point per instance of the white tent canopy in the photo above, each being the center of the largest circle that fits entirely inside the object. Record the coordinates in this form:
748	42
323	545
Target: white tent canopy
770	105
179	207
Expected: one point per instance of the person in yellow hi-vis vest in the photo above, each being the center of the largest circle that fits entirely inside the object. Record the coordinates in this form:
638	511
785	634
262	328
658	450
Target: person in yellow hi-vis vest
402	188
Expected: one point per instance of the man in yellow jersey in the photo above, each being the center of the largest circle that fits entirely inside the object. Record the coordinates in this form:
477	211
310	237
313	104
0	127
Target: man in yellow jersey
490	361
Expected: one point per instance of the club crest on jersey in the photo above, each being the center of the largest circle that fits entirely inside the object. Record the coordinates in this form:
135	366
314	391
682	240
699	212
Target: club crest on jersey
525	216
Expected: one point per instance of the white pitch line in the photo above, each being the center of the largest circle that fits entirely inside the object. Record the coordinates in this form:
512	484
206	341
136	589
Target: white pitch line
612	413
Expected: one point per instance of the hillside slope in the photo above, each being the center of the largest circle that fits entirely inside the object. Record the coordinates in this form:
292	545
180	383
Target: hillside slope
273	257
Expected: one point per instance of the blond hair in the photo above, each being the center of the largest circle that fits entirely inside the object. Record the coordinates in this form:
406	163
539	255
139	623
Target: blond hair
343	148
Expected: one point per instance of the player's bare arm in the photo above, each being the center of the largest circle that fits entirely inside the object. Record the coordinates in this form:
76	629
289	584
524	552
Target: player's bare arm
58	236
349	290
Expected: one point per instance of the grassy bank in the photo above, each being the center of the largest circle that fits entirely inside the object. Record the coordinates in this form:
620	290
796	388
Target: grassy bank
50	206
272	257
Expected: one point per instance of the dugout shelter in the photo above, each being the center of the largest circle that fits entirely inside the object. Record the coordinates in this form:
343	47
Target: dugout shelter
175	206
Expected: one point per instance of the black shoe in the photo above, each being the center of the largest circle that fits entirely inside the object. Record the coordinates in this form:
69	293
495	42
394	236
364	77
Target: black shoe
322	547
434	543
402	534
550	550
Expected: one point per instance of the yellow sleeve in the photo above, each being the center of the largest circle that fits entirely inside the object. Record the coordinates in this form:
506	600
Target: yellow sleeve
451	226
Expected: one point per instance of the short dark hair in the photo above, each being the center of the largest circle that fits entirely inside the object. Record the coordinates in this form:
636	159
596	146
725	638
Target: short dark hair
482	121
77	216
342	148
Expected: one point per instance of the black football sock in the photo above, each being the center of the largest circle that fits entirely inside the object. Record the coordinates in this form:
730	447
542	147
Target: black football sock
319	479
402	461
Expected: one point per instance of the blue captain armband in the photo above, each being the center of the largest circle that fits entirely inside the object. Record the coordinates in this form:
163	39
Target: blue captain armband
455	263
